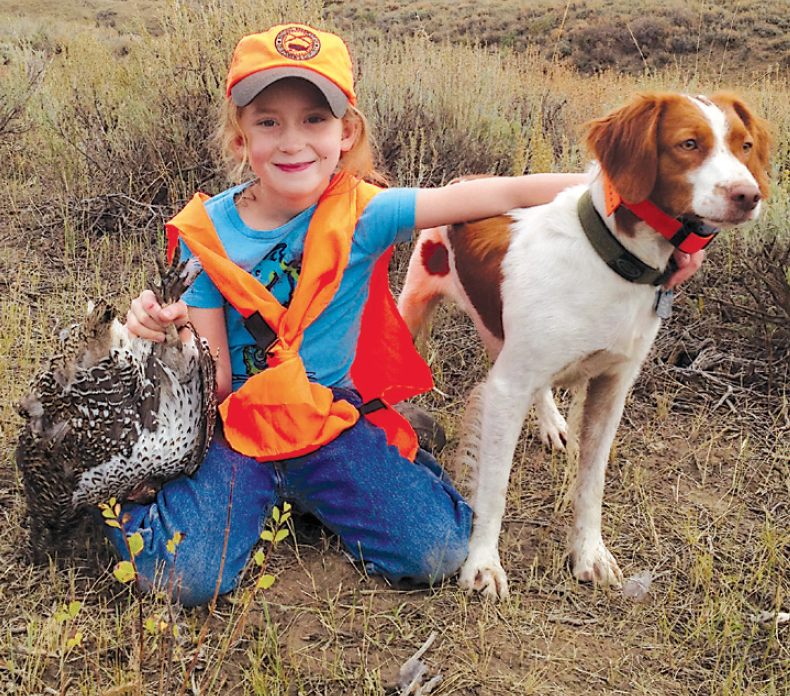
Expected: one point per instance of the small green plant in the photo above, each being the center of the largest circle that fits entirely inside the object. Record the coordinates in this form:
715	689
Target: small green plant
126	571
274	533
162	629
67	614
166	629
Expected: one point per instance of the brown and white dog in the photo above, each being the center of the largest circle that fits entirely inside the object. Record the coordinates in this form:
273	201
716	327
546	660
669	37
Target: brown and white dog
565	294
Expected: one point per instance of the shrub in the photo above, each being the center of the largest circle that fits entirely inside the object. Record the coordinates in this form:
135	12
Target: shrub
681	44
140	123
767	31
680	17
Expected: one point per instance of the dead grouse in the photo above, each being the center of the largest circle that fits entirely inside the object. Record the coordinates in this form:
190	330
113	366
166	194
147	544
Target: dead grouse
112	414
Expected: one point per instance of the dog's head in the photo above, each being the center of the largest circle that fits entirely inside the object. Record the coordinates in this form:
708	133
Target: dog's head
692	156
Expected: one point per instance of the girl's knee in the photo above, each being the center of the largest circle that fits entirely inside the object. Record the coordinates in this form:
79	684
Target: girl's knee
447	560
423	558
189	581
187	572
192	590
442	560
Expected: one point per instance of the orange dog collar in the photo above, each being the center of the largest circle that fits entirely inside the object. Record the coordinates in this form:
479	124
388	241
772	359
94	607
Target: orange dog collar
689	236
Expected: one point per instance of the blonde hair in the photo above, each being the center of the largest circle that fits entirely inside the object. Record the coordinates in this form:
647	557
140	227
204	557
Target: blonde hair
359	160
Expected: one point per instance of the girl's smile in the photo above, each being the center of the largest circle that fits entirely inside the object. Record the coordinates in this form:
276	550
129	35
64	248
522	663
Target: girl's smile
293	167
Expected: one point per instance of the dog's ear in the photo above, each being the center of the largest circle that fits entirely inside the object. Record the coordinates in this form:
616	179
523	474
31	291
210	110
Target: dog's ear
759	159
625	143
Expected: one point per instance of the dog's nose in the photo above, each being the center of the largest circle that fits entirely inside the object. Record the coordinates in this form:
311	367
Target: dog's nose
745	196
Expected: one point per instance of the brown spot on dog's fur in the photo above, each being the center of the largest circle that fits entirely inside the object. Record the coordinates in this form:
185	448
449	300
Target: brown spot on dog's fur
479	248
758	159
435	258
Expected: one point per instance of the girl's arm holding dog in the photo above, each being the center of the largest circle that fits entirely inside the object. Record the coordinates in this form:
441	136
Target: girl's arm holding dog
476	199
688	265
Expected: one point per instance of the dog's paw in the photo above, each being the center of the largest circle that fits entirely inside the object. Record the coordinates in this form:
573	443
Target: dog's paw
553	428
485	576
594	563
554	433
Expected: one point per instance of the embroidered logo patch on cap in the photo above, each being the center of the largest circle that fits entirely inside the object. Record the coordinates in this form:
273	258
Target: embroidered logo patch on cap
296	43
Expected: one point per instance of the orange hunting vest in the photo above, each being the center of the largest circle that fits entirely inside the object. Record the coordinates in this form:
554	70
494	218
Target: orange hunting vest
278	413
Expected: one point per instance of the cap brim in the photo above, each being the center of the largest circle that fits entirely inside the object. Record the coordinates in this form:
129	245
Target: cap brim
244	91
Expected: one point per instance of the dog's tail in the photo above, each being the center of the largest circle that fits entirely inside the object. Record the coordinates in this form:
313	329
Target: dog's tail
466	462
427	281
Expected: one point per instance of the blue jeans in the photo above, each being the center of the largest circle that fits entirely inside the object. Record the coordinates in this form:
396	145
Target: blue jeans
401	519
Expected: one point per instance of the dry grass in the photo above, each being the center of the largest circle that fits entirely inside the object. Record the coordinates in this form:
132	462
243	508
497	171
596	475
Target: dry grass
720	39
107	143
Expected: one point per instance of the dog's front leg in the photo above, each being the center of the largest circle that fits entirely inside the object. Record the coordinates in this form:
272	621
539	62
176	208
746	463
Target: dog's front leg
505	406
600	415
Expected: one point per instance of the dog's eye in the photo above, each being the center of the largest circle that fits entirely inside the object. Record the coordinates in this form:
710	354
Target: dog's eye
689	144
747	147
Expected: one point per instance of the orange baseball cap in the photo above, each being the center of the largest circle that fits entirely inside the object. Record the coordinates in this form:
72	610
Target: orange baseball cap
292	50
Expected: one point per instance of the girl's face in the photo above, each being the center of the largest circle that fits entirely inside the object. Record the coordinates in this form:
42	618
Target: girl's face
294	143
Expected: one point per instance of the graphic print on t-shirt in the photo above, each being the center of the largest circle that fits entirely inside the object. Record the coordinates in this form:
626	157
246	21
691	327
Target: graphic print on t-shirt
278	271
279	274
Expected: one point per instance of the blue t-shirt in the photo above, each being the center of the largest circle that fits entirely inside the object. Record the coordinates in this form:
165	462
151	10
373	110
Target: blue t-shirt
274	257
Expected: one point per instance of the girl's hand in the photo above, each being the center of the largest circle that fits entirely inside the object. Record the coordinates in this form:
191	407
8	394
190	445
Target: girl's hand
688	265
147	319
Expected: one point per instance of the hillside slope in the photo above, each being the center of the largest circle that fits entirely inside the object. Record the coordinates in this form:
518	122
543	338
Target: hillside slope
721	38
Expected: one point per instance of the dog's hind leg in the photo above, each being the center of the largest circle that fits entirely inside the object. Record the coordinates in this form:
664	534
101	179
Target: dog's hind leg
427	281
553	428
599	417
465	461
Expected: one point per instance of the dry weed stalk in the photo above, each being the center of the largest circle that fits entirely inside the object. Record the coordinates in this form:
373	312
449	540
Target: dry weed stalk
772	268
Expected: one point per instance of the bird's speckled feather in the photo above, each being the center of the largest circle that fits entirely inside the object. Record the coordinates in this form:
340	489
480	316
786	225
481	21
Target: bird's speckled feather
112	413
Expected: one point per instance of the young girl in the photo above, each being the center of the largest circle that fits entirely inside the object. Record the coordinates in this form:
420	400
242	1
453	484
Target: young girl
291	373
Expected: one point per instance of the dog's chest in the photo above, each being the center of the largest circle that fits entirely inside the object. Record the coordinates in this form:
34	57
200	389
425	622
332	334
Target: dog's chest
566	309
605	344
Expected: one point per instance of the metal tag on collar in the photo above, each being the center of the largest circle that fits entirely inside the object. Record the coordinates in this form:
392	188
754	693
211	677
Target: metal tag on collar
663	305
